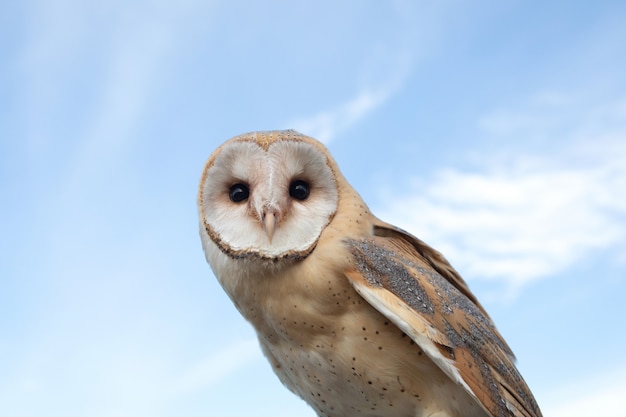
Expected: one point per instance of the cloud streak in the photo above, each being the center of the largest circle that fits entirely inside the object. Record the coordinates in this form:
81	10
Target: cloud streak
325	125
110	58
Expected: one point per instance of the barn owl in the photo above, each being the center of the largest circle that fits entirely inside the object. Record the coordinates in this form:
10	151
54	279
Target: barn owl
356	316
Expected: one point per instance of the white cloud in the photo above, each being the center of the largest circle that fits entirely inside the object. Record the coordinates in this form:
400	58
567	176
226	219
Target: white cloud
525	216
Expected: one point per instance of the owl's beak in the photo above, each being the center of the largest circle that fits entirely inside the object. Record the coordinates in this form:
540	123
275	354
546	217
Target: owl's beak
269	224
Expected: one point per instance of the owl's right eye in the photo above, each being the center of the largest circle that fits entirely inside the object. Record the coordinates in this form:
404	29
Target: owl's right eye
238	193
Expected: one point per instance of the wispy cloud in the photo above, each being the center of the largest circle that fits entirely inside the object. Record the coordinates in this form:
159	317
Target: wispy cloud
139	52
327	124
524	217
109	58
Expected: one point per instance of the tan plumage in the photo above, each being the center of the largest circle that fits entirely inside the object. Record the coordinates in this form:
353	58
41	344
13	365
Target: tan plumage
356	316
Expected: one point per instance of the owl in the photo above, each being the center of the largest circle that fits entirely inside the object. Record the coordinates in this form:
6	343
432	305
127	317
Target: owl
356	316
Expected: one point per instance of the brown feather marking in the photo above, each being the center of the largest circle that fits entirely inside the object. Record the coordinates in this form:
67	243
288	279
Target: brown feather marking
432	256
265	139
483	359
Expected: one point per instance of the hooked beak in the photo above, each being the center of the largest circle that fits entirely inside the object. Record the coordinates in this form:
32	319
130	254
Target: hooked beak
269	224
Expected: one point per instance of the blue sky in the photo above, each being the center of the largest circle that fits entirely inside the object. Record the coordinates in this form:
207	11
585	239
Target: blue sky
494	130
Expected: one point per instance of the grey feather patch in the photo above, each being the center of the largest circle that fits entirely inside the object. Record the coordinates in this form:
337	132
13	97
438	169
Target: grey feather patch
380	269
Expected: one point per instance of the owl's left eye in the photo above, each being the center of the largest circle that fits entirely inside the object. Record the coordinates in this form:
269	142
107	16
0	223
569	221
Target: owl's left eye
238	193
299	190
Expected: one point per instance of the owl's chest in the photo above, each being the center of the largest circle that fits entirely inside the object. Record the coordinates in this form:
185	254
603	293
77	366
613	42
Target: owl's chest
344	358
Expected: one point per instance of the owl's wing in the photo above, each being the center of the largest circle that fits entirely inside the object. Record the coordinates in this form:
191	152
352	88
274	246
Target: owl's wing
416	288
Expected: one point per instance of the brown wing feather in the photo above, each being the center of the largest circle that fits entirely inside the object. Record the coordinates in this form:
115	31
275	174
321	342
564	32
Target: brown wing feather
430	255
415	287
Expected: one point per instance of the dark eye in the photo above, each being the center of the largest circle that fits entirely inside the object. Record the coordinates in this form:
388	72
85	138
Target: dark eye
299	190
238	193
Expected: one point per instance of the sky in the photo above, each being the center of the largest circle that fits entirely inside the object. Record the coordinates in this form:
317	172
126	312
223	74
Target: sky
493	130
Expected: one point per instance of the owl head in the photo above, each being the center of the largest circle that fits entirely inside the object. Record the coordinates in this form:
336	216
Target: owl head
267	196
